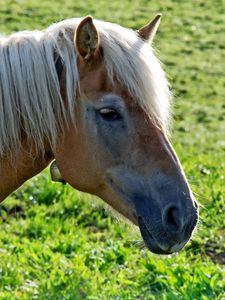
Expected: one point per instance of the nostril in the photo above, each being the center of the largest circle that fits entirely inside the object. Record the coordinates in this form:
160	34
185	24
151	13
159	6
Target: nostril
171	218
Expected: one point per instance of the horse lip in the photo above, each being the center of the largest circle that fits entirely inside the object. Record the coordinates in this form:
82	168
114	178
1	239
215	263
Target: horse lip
149	239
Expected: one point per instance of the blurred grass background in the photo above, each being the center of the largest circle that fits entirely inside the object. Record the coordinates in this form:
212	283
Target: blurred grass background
57	243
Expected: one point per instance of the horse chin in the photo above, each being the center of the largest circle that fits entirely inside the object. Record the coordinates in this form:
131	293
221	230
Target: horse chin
150	240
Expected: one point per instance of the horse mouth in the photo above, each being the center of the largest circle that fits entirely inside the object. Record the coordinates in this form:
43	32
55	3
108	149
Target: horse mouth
159	239
149	239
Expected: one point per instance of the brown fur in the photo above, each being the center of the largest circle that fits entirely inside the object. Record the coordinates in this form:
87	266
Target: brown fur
26	164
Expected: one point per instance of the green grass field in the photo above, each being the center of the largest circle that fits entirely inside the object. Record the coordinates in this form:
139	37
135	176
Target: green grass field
59	244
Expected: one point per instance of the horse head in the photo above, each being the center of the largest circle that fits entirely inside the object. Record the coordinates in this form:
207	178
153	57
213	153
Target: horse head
117	146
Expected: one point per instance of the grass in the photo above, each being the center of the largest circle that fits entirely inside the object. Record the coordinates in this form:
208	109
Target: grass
57	243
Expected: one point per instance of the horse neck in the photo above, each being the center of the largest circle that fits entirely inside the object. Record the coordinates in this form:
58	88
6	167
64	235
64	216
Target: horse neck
15	170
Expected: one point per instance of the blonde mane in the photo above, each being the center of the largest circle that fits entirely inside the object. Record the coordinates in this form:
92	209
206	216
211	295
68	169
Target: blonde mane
30	99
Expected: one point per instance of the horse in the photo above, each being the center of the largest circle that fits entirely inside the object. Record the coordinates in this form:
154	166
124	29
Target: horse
93	97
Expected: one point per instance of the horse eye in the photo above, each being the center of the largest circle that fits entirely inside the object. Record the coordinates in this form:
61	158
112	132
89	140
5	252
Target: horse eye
109	114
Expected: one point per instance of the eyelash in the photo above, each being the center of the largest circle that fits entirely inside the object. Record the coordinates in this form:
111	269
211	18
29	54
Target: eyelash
109	114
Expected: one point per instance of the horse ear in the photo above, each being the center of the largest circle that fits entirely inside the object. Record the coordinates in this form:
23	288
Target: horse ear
148	31
86	38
